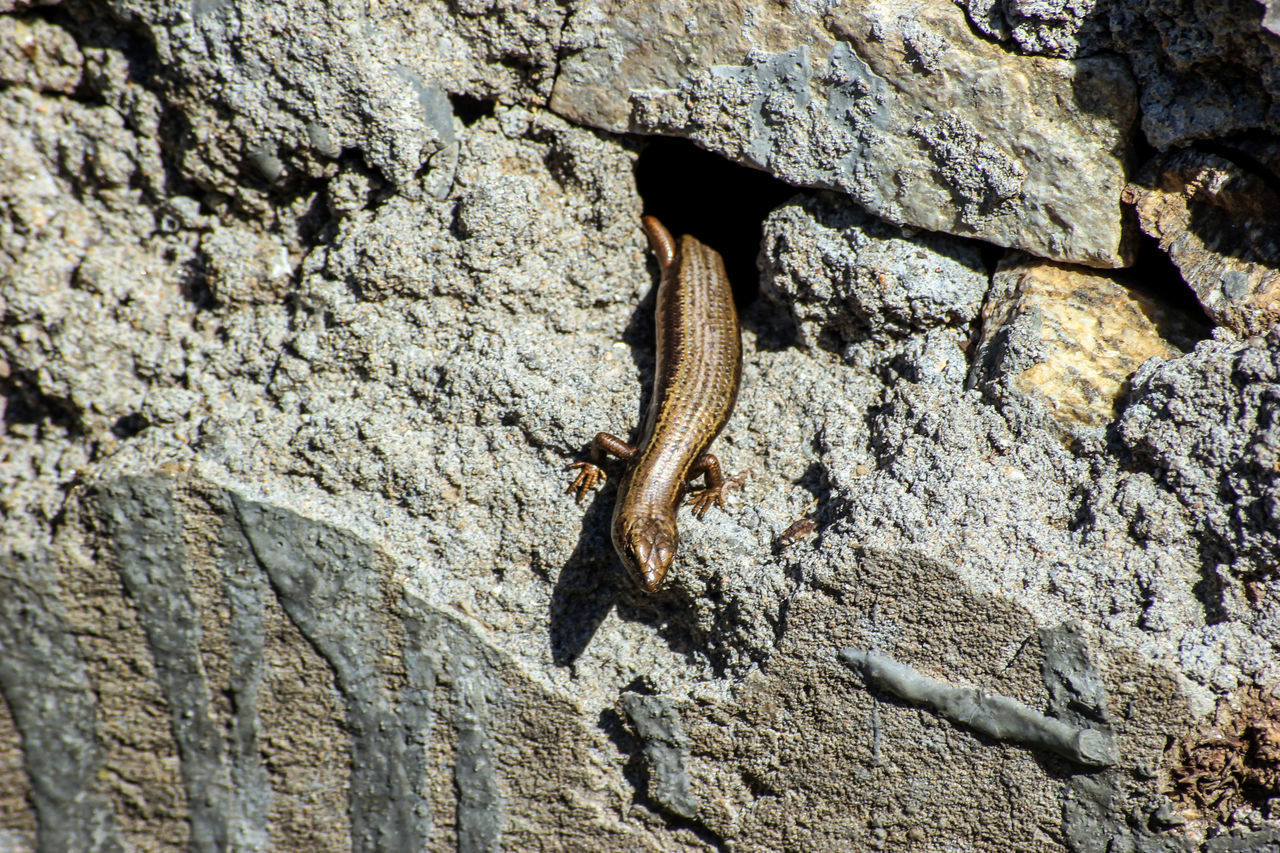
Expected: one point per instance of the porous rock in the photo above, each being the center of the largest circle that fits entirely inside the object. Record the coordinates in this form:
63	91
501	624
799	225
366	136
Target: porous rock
1209	423
1219	222
286	554
1070	338
271	97
846	276
899	106
1205	68
39	55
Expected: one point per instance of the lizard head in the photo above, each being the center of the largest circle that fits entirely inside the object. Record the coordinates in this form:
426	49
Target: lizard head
647	546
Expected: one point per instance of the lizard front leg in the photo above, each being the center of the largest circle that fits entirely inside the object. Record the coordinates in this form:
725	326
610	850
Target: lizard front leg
590	473
713	489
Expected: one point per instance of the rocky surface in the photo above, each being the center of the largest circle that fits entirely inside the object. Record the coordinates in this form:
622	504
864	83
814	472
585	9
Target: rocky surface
1069	339
1205	68
1209	424
1218	219
301	317
907	112
845	276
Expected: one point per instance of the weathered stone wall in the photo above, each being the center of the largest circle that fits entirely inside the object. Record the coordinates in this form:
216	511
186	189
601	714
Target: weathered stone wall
304	308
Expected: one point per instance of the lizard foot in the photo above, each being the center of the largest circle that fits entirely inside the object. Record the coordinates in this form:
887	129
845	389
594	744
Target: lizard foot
588	477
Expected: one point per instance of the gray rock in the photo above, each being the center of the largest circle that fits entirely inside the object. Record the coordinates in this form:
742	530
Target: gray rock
39	55
283	473
1204	69
894	105
847	276
1264	841
1207	424
998	717
282	95
666	749
48	692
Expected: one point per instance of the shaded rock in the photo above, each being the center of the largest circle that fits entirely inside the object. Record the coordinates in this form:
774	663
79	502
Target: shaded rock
666	749
1205	68
1219	221
1070	339
902	108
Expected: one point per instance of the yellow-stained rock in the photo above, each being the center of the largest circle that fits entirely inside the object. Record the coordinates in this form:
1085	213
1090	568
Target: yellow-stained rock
1070	338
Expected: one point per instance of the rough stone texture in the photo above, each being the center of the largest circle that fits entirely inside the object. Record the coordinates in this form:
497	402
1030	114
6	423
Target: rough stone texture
1210	424
1231	755
1205	68
285	542
39	56
901	107
799	736
410	695
846	276
289	91
1219	221
1065	28
1069	339
19	831
666	750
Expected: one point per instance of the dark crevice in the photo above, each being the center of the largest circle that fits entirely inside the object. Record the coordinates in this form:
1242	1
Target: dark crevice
693	191
315	225
470	109
705	834
1141	151
1236	150
93	25
757	785
21	402
1210	589
1155	274
194	284
641	685
990	255
129	425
